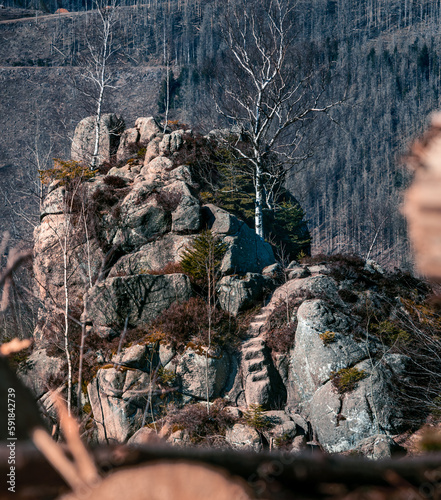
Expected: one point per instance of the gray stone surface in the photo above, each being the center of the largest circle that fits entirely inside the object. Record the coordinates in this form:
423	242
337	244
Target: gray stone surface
238	294
299	444
261	382
296	272
139	298
311	360
166	354
129	136
171	142
53	203
242	437
38	370
193	369
274	271
247	252
379	447
187	217
281	426
141	223
143	436
152	256
118	399
342	421
319	286
139	356
111	128
152	150
158	170
148	128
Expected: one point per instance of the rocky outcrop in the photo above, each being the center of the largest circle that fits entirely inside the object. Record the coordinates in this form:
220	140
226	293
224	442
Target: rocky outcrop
125	272
118	399
83	144
152	256
378	447
39	369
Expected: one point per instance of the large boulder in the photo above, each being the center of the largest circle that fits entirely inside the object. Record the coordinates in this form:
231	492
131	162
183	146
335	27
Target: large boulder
195	369
319	286
242	437
313	357
171	143
378	447
140	298
246	251
84	258
148	127
342	421
83	144
129	136
53	203
152	150
237	294
142	220
118	398
157	171
186	216
39	369
280	427
139	356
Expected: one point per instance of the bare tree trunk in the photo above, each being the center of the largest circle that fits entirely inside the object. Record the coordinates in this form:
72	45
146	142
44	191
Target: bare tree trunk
101	84
96	69
210	267
66	313
97	133
258	217
167	76
167	99
80	365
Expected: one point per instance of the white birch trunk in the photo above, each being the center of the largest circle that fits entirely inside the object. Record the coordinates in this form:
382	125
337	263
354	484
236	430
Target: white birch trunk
66	314
258	212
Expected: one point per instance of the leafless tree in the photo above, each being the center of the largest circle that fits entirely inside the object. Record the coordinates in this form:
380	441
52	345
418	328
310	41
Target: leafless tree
95	67
268	92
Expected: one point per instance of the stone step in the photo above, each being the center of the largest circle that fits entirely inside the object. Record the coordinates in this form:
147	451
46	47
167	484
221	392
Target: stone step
260	377
253	355
255	343
255	330
260	317
256	366
260	321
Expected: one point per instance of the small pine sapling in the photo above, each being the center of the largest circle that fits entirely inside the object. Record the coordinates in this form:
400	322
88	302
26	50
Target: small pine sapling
203	260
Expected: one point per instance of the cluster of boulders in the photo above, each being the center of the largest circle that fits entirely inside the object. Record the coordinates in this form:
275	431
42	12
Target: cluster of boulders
117	281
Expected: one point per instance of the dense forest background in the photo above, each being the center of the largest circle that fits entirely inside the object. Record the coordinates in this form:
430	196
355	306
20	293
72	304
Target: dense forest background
381	56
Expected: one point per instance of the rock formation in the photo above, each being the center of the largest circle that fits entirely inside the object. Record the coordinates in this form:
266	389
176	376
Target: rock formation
122	274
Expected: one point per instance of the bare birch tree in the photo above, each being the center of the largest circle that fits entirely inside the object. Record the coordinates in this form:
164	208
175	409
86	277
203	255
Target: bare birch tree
95	64
269	91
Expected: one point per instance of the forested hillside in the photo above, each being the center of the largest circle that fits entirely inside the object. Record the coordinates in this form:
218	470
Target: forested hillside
381	57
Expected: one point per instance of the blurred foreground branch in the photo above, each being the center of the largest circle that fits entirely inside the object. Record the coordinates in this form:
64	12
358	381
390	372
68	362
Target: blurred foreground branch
270	475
